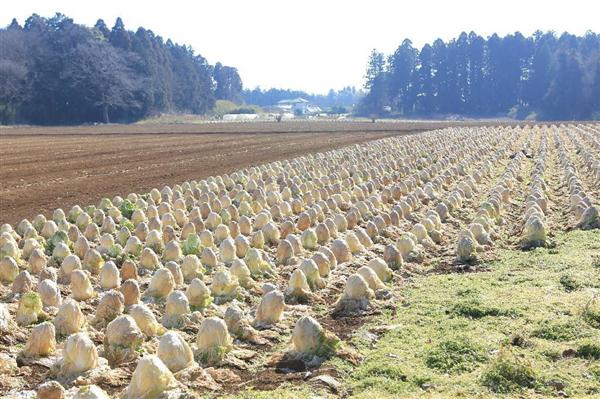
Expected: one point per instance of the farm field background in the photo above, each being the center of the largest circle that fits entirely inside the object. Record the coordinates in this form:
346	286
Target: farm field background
371	260
52	167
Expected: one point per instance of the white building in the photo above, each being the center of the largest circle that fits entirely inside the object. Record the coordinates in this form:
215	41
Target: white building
298	106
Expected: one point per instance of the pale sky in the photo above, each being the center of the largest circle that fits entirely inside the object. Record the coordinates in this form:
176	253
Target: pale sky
314	45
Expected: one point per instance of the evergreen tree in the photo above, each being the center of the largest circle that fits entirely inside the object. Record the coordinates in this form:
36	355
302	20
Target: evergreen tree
119	36
102	29
423	78
539	76
462	71
401	65
595	93
512	75
563	99
441	77
228	83
375	67
14	25
476	54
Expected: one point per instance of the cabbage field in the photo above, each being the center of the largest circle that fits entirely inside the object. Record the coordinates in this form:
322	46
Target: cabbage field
263	279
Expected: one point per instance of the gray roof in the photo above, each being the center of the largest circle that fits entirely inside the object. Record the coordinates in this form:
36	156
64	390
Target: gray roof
293	101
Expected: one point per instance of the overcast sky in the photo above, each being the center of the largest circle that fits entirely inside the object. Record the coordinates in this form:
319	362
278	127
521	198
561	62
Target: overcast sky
314	45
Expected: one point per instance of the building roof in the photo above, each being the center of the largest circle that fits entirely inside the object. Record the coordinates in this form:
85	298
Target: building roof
293	101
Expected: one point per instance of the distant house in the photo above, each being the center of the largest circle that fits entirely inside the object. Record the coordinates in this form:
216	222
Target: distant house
298	106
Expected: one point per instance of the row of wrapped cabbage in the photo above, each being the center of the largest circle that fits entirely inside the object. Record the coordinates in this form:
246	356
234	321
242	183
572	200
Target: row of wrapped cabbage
191	229
581	203
536	200
439	197
448	198
481	232
467	242
588	151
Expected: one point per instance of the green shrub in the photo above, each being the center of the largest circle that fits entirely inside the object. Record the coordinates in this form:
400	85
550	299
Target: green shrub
421	381
380	369
454	356
518	340
466	292
589	351
569	283
223	107
591	313
556	330
474	309
552	354
507	374
595	372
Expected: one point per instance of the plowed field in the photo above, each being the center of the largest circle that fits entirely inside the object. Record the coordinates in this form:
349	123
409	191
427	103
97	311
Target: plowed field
42	169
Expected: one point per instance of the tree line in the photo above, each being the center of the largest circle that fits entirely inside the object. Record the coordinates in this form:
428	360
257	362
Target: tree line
543	76
55	71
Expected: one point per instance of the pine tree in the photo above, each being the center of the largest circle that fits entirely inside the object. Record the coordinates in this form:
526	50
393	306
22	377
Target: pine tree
119	36
375	67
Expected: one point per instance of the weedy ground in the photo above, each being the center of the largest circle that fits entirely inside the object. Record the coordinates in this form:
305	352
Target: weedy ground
527	326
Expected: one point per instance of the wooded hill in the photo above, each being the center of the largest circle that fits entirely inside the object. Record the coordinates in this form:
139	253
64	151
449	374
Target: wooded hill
55	71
